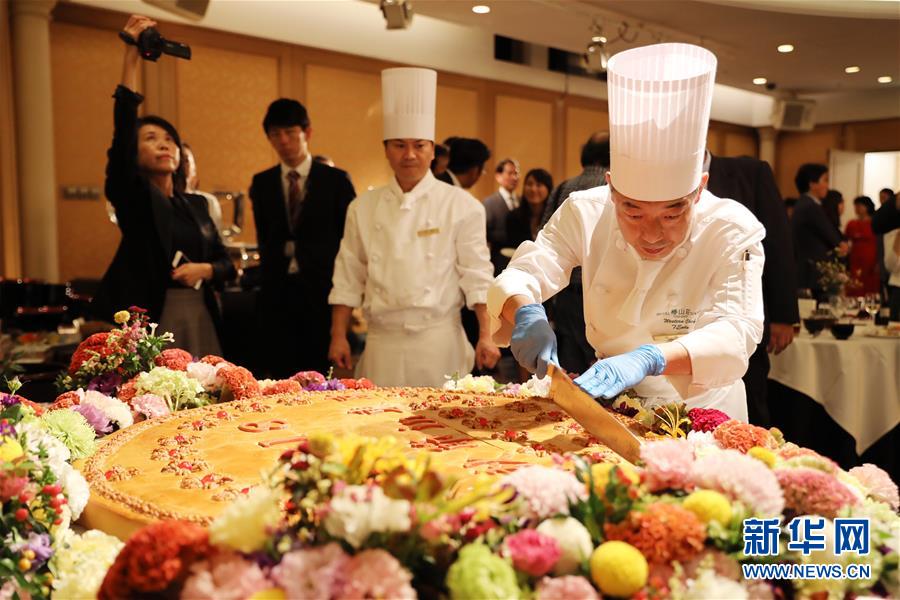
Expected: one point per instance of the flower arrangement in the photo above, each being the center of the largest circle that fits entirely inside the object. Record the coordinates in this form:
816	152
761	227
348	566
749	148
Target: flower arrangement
834	277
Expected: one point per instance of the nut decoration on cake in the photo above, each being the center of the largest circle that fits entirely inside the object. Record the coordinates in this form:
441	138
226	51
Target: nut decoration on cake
189	465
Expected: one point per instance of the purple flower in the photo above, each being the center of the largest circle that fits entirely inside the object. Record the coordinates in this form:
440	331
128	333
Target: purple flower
7	429
39	543
316	387
334	384
108	383
8	399
95	417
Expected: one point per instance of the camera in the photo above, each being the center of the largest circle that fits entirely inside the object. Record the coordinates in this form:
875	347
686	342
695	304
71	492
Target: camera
151	45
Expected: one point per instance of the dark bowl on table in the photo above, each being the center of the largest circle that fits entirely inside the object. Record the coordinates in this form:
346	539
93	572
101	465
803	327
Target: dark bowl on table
842	331
817	324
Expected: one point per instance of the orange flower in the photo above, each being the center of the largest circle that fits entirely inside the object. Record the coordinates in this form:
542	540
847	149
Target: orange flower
241	382
174	358
663	533
740	436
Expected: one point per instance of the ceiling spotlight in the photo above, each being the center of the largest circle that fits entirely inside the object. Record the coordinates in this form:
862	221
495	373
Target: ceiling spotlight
785	48
397	13
760	81
481	9
853	69
885	79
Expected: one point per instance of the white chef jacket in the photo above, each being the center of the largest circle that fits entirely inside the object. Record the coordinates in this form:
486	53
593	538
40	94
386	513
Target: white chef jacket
411	260
707	293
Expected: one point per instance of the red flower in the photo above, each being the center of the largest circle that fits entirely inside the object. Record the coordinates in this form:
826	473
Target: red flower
212	359
241	382
284	386
706	419
663	533
65	400
128	391
741	436
174	358
365	384
95	343
349	383
156	560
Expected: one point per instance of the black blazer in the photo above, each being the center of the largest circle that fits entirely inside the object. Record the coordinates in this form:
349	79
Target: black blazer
329	192
140	272
814	237
887	217
751	182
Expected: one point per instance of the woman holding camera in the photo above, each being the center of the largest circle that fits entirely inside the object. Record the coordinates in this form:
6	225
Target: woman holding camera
170	256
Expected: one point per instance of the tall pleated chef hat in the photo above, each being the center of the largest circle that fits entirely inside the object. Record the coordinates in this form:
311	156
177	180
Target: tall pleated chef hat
659	101
408	97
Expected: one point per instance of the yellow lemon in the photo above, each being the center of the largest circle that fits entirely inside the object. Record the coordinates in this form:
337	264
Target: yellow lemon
619	569
709	505
10	450
600	473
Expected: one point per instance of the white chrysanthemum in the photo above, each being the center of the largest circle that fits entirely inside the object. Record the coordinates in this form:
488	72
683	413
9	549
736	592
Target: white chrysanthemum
359	511
114	409
536	387
245	524
76	489
709	586
36	437
574	542
484	384
80	562
175	387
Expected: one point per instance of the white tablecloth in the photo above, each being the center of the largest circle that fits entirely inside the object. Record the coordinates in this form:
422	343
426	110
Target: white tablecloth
856	380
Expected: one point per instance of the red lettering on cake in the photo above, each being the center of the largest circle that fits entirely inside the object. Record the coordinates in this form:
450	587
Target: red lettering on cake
494	467
421	423
269	425
442	443
291	440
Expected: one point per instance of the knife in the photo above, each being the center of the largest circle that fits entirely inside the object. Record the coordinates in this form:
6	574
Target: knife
594	418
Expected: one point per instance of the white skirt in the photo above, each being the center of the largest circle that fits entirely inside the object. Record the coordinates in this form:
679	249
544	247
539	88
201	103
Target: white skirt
185	315
397	357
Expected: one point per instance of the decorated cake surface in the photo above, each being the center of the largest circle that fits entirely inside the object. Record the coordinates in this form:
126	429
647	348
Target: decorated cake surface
191	464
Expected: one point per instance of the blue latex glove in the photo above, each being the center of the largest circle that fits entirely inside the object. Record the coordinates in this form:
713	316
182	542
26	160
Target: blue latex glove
533	342
611	376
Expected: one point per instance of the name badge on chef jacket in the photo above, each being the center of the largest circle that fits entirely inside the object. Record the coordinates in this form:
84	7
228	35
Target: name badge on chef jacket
428	232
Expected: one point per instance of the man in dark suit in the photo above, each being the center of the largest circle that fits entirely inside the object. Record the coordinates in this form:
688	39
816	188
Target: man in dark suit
814	235
299	207
567	307
497	207
887	217
751	182
467	158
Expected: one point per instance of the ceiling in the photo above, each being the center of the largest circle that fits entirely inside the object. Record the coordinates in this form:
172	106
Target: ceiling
827	35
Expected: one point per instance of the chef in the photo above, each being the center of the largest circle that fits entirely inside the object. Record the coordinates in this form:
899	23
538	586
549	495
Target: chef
413	252
672	274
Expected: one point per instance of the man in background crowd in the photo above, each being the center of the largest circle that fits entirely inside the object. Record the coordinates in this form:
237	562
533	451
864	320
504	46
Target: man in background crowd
751	182
567	307
467	158
497	207
814	235
441	159
299	206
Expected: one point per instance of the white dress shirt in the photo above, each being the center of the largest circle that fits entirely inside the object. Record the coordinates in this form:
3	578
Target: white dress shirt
512	201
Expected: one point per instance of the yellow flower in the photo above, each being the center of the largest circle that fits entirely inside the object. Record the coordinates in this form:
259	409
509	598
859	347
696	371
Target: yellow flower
269	594
10	450
619	569
709	505
245	523
121	317
600	473
763	454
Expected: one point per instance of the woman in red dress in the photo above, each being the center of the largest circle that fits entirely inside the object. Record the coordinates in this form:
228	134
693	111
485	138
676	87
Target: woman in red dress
863	250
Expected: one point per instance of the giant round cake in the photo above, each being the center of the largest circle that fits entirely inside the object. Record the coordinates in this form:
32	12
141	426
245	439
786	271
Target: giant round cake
190	464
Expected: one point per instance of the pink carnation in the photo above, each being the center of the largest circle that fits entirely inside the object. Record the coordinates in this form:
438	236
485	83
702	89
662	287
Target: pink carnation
174	358
307	378
376	574
11	486
532	552
312	572
149	405
706	419
570	587
878	483
668	464
284	386
225	576
812	492
740	477
545	492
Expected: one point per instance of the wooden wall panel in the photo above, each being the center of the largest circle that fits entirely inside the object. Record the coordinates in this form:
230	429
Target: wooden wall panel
796	148
873	136
345	111
524	132
457	112
222	96
86	66
581	123
738	143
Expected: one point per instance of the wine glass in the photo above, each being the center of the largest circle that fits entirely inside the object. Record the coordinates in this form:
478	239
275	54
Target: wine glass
872	304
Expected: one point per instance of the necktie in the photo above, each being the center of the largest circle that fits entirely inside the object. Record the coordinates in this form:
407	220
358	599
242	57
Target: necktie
295	199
